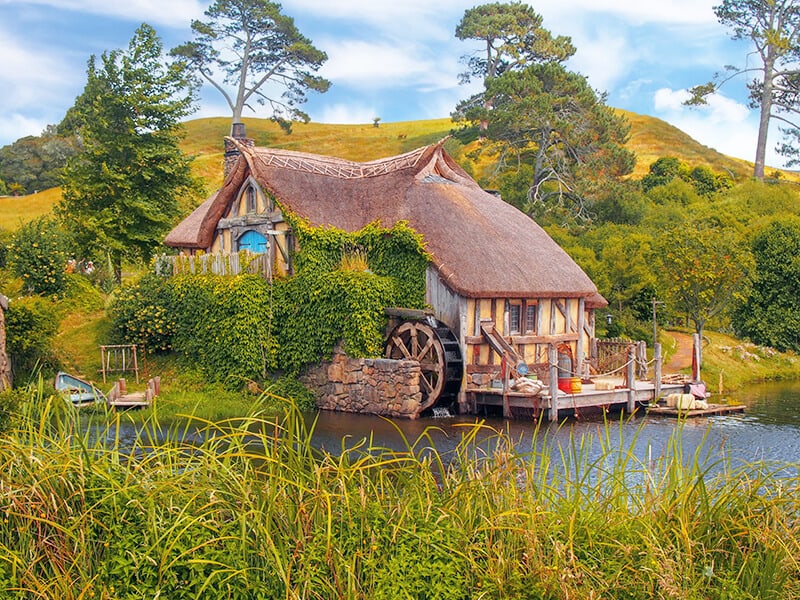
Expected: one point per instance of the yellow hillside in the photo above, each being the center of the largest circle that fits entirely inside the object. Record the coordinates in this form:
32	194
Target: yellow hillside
651	138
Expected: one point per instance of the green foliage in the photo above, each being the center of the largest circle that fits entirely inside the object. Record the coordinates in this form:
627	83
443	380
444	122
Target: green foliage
290	388
272	55
10	401
513	38
240	328
325	308
141	314
120	194
771	313
668	168
551	120
33	163
31	325
396	252
704	268
38	254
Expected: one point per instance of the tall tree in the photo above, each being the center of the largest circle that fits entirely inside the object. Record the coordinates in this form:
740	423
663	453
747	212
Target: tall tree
250	51
548	122
512	38
773	26
120	193
703	268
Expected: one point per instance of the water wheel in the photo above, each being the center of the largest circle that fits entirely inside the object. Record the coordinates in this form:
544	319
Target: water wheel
436	348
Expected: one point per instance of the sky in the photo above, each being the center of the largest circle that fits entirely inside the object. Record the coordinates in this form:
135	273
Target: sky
398	60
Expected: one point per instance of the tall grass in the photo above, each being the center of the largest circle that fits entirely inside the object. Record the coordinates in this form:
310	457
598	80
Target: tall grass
251	509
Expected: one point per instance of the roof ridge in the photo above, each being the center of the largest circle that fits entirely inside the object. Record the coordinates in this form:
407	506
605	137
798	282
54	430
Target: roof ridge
337	167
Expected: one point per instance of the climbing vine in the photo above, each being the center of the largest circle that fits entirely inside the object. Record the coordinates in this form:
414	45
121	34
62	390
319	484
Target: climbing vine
243	328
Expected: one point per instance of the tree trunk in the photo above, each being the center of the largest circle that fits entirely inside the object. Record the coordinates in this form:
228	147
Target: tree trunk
764	117
5	363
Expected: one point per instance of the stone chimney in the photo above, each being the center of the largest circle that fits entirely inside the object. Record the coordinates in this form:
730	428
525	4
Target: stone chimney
231	151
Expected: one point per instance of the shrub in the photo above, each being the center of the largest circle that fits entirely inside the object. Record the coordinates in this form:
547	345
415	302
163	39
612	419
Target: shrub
141	314
38	255
31	326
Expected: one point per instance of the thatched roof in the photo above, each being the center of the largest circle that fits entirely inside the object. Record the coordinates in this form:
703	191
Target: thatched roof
480	245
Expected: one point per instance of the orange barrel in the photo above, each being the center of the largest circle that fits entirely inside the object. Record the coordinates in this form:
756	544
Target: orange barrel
575	385
565	384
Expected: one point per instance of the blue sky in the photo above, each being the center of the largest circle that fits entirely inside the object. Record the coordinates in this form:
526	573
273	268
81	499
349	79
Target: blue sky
396	59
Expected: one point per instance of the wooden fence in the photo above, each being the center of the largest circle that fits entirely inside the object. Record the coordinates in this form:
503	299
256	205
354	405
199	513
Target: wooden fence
218	264
611	356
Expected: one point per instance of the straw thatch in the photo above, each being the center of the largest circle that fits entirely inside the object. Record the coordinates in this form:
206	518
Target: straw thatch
481	246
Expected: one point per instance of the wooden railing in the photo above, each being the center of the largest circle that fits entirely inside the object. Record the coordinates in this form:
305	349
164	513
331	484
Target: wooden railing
218	264
611	355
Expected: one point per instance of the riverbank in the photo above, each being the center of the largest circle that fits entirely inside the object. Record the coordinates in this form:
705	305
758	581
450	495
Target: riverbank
728	364
255	511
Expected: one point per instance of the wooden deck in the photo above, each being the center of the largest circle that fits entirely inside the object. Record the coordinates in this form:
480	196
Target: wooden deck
119	398
712	410
590	397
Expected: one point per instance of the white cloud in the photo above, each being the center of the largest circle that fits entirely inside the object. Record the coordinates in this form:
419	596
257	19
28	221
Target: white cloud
724	124
348	114
177	13
694	12
366	64
14	126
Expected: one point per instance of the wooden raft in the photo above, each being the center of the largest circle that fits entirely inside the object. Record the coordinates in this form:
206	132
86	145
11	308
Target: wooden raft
119	397
712	410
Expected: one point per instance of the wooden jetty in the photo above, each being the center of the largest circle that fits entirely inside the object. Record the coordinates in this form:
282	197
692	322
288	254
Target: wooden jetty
621	389
120	398
591	396
709	411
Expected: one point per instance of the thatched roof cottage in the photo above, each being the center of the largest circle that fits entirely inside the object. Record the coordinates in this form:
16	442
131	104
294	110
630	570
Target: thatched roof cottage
496	280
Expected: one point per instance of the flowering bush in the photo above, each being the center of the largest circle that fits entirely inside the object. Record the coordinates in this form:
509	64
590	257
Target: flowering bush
38	255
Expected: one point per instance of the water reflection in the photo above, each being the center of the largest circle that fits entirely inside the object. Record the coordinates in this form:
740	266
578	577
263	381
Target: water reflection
768	431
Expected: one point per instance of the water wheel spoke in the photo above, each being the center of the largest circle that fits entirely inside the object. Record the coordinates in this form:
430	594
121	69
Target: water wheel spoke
414	343
427	384
401	345
424	351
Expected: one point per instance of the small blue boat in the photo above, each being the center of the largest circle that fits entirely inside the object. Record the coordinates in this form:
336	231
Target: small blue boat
77	390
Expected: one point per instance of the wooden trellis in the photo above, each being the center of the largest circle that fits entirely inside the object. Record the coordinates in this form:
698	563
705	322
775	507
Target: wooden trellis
119	358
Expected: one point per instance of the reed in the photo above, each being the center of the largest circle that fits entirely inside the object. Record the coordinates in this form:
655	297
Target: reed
249	508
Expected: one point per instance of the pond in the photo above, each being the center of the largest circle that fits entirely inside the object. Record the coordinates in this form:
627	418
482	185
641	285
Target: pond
769	430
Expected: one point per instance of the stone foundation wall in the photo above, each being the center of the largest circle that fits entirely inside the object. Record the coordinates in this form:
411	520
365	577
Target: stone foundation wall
376	386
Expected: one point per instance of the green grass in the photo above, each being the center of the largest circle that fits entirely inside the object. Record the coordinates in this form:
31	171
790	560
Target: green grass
251	510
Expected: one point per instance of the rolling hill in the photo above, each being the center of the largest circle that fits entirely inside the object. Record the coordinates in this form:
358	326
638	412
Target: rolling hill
650	139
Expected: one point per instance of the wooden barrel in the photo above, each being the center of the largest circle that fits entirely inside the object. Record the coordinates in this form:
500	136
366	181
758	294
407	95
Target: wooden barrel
575	385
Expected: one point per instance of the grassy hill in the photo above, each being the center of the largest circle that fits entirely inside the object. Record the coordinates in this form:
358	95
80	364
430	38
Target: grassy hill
651	138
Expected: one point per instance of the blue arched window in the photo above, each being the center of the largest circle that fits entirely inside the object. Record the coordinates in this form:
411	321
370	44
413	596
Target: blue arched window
254	242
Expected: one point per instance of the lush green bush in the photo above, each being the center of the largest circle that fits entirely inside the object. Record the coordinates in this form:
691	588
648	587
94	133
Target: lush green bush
141	314
242	328
38	254
770	315
31	325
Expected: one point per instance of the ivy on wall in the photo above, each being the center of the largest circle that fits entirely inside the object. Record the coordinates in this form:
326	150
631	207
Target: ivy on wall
241	328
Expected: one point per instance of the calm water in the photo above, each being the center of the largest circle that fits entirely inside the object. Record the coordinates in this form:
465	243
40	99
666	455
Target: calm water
769	430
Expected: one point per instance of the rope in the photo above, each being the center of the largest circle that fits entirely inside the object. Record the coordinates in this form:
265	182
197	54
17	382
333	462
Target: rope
620	368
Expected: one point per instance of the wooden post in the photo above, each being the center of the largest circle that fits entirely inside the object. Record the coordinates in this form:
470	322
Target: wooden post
631	379
579	350
696	357
552	359
656	371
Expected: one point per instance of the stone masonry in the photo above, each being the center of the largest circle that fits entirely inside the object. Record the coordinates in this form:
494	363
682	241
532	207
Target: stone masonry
376	386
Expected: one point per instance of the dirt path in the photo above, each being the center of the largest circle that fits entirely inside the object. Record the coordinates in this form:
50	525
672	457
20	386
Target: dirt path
682	358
